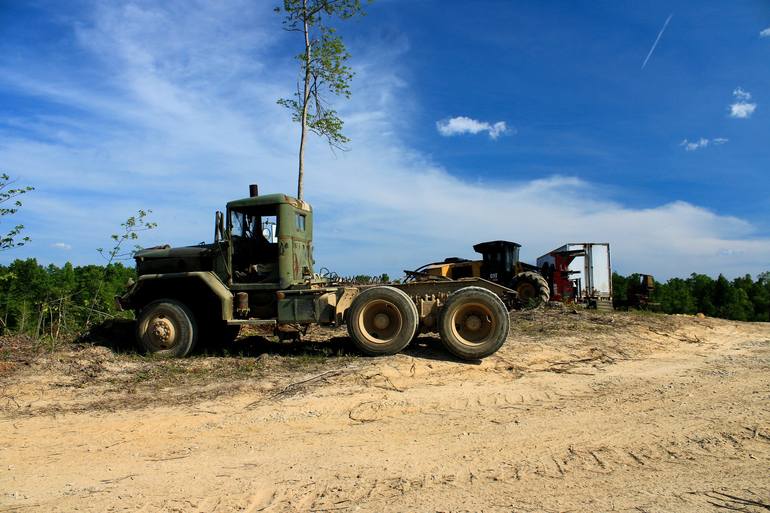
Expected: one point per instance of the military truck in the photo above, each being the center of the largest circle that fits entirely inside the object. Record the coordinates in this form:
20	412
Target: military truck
259	271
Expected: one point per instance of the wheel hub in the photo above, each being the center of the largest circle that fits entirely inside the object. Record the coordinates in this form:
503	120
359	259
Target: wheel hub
526	291
162	331
381	321
473	322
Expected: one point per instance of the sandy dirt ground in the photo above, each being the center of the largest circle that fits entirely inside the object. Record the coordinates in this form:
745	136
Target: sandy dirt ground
577	412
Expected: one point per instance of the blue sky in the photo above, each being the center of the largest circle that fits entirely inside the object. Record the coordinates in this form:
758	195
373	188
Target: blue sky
528	121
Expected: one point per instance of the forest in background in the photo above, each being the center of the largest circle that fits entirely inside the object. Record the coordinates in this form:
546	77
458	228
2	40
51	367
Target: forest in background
741	299
58	303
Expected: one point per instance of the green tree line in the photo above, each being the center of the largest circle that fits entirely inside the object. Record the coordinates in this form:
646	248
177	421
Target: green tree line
58	302
742	299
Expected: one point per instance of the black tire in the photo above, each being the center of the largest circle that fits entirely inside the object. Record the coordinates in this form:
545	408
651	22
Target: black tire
473	323
167	327
382	320
532	288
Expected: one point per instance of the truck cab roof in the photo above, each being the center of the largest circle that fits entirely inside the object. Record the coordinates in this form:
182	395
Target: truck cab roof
269	199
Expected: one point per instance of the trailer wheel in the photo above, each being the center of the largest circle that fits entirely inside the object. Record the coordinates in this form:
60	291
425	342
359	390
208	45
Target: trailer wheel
167	328
382	320
473	323
532	288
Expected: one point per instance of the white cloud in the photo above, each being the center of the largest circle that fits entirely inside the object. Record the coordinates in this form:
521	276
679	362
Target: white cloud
765	33
61	245
159	126
692	146
740	94
465	125
702	143
742	108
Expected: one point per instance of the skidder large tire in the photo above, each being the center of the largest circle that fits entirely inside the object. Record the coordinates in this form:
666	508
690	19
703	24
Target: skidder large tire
473	323
382	320
532	288
167	328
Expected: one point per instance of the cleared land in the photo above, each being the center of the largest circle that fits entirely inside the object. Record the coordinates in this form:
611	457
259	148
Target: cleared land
577	412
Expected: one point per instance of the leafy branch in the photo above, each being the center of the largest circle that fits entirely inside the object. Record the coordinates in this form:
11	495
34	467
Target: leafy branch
11	194
130	230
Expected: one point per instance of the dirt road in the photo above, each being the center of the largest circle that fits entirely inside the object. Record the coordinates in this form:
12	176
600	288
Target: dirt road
577	412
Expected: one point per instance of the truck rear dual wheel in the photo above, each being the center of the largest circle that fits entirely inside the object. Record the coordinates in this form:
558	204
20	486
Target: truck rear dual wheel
382	320
167	327
473	323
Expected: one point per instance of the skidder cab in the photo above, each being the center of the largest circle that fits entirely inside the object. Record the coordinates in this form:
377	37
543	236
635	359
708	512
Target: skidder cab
259	271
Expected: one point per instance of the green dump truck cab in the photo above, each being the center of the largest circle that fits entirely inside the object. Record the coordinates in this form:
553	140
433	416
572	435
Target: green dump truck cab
259	271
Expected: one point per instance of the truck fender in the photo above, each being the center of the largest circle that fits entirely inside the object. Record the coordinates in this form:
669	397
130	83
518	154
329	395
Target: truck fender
150	286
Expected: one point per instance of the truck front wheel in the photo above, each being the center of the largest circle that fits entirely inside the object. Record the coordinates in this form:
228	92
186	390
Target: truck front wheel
473	323
382	320
167	328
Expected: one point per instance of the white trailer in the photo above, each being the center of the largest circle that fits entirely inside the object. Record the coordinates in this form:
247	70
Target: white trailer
580	271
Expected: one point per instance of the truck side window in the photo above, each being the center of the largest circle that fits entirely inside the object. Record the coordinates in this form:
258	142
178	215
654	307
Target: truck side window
301	222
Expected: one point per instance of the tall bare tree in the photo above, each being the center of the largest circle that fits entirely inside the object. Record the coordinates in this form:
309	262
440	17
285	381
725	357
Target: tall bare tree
323	70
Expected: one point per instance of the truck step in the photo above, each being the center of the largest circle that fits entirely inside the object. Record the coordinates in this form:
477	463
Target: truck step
251	322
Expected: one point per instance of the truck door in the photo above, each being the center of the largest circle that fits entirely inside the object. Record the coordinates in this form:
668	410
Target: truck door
253	249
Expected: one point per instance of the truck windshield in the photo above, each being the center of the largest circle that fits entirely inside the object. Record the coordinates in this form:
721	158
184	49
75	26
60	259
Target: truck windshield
244	225
252	226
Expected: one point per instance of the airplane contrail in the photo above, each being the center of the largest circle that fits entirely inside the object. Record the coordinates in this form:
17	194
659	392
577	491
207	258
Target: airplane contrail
657	39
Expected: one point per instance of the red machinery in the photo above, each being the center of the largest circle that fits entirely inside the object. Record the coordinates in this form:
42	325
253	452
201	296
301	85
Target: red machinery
579	272
563	286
